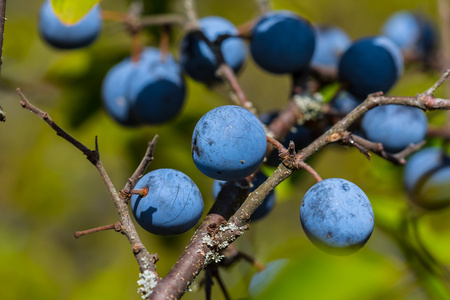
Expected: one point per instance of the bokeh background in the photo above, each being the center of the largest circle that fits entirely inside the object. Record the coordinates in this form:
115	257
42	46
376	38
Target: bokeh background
48	189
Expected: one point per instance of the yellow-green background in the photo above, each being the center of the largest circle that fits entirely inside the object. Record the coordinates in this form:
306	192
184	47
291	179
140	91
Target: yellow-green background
48	189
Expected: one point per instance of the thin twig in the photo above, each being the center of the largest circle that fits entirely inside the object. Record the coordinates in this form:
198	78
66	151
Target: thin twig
146	160
364	146
117	227
92	155
438	83
146	261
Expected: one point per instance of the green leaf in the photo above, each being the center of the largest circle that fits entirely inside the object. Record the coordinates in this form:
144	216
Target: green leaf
72	11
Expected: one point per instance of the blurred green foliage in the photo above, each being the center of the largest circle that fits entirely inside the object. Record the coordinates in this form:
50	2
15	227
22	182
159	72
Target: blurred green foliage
48	189
71	11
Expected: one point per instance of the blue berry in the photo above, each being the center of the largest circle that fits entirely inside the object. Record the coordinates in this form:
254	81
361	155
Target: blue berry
60	35
426	178
395	126
370	65
157	91
413	33
150	91
331	43
115	93
337	216
282	42
228	143
172	206
264	208
199	61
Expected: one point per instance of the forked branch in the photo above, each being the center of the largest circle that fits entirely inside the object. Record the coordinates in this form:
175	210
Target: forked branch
145	260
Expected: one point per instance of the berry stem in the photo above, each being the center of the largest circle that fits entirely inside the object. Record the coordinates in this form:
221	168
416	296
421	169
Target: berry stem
141	192
310	170
237	94
164	42
245	30
117	227
136	46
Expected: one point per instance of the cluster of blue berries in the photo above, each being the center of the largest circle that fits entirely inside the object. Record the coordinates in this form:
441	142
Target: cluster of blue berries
229	142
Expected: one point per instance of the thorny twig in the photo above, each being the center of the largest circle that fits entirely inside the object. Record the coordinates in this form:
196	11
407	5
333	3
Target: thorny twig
146	261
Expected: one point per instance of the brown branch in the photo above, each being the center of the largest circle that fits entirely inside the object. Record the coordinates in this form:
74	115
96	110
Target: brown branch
425	101
92	155
364	146
214	234
146	261
203	247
